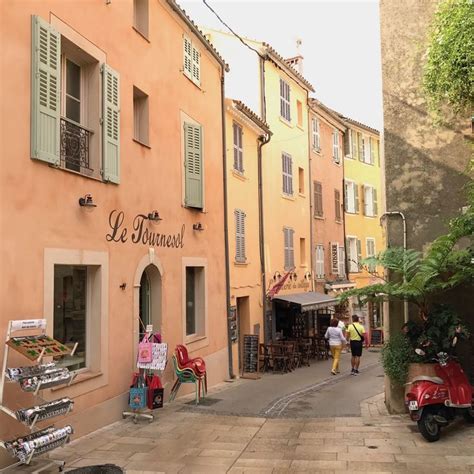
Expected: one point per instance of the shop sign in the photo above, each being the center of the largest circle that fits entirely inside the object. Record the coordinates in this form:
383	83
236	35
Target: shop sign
294	285
141	234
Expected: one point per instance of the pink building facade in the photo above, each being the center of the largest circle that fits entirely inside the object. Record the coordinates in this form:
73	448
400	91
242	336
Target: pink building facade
116	104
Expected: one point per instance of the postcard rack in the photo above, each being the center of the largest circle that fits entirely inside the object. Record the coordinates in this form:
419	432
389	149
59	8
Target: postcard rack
32	379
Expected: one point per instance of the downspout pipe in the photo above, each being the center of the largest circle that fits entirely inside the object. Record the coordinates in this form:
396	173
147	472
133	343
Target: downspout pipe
311	204
399	213
226	231
262	141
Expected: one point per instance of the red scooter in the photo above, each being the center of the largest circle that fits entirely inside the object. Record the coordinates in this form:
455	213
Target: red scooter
434	402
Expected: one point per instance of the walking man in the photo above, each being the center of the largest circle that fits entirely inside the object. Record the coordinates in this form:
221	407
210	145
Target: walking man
356	332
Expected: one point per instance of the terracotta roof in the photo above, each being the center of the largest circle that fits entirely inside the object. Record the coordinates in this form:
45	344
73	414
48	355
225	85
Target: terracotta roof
358	124
252	115
182	13
335	115
288	66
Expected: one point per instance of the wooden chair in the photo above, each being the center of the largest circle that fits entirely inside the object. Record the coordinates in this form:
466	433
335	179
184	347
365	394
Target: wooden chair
279	358
264	359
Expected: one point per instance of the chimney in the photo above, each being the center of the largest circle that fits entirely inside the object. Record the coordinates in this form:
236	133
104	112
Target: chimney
297	61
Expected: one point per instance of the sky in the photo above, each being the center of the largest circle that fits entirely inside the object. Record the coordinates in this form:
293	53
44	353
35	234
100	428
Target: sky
340	44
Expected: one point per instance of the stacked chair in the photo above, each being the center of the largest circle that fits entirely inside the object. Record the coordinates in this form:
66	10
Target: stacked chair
188	371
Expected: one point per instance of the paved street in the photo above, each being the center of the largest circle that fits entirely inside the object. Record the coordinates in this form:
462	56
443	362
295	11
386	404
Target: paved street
303	437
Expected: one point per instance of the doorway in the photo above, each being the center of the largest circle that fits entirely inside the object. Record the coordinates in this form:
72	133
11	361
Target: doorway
149	300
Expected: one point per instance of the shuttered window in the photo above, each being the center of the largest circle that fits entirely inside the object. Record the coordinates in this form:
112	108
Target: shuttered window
370	201
238	148
337	204
360	143
191	61
45	93
353	254
316	135
347	143
342	262
193	163
318	199
334	258
288	248
370	248
319	261
351	197
111	127
335	146
240	255
373	148
287	173
285	100
355	146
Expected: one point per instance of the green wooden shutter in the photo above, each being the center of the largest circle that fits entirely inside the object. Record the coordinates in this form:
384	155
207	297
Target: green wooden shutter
354	144
347	143
356	198
359	253
193	165
360	142
375	203
45	90
362	200
111	124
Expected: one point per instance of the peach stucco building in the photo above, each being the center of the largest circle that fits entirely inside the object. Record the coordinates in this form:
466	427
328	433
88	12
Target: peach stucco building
121	101
245	135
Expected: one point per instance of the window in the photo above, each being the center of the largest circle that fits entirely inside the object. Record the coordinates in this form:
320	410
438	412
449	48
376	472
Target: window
191	61
140	16
288	247
193	165
287	170
355	145
195	295
373	149
301	180
360	146
335	146
285	100
303	252
347	137
240	236
316	135
238	148
140	116
342	262
318	199
66	128
71	312
319	261
351	197
370	201
337	204
299	109
353	254
368	153
370	248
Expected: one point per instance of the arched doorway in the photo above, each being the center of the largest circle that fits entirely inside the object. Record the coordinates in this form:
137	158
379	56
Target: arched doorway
149	299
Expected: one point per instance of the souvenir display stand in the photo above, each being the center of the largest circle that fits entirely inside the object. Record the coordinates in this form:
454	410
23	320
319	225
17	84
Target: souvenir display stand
33	378
140	402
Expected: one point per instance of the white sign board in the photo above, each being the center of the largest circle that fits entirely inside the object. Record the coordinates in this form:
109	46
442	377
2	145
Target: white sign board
159	354
22	324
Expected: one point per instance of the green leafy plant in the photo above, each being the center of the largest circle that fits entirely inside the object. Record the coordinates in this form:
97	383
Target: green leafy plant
397	354
448	74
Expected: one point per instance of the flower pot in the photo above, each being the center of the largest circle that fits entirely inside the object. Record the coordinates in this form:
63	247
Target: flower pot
417	369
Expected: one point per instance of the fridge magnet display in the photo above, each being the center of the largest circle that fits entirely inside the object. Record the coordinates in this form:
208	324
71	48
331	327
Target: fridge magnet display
32	346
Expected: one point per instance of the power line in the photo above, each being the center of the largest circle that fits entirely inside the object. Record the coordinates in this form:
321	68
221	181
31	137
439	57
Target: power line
229	28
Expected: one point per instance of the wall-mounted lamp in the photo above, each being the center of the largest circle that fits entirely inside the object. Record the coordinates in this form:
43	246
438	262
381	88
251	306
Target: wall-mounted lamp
154	216
307	276
294	276
276	276
198	226
123	286
87	201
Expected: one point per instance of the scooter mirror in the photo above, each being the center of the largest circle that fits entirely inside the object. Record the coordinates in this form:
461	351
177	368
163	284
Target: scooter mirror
455	340
420	352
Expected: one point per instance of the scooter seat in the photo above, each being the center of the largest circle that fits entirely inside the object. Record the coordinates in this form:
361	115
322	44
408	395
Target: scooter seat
427	378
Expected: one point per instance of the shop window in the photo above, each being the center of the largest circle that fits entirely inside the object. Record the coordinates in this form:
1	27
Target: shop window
195	296
140	16
140	116
71	312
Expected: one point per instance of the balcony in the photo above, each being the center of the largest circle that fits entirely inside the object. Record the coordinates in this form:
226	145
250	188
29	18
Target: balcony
75	147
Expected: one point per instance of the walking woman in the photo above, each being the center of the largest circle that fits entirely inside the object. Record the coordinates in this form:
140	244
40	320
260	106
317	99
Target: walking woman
336	342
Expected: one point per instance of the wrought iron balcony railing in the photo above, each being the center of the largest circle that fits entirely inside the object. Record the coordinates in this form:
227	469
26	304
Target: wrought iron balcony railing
75	146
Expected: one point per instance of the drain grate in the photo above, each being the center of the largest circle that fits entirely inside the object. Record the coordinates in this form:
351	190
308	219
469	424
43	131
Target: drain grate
205	402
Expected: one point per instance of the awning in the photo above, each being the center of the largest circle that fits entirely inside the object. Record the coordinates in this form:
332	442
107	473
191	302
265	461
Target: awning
309	300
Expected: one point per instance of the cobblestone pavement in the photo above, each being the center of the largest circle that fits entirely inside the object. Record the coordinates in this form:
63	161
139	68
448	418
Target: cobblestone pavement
188	442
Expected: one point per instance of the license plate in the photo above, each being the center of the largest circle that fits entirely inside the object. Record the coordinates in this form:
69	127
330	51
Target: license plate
413	405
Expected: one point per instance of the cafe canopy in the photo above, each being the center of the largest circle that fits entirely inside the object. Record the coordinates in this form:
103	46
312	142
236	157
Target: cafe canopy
308	301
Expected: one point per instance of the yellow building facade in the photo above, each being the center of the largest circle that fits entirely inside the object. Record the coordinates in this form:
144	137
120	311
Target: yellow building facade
244	132
363	207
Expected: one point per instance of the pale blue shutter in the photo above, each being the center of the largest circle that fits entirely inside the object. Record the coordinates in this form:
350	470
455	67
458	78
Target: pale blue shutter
193	165
111	124
45	90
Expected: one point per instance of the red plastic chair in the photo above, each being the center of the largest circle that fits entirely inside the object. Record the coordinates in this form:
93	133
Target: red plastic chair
197	364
